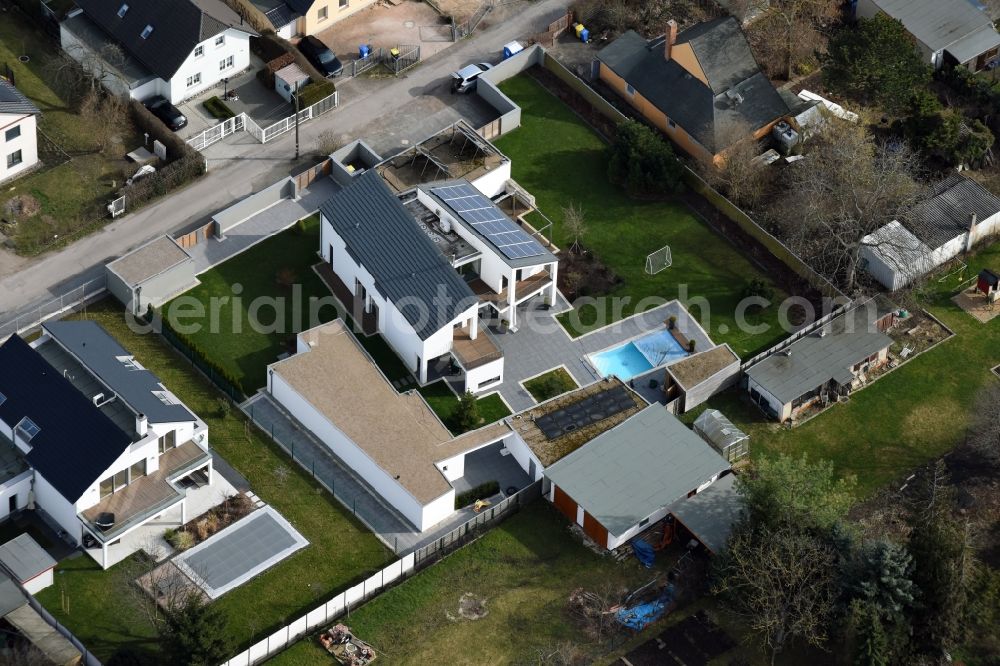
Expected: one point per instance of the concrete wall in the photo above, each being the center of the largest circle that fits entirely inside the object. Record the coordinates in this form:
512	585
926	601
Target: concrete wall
488	86
246	208
160	288
524	455
354	153
27	143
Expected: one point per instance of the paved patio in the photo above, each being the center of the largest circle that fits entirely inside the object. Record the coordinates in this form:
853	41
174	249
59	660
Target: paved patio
488	464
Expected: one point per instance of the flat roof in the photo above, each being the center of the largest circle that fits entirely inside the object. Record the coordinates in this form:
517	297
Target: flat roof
941	23
694	369
152	259
711	514
25	558
11	597
398	431
640	466
547	449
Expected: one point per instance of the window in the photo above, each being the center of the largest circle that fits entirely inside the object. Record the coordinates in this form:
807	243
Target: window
137	471
629	89
146	32
107	487
27	429
14	159
199	51
12	133
168	441
12	504
226	64
644	521
122	10
121	480
194	79
344	3
322	14
220	40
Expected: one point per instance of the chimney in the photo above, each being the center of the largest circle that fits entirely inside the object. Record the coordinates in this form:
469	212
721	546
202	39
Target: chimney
671	37
141	425
971	238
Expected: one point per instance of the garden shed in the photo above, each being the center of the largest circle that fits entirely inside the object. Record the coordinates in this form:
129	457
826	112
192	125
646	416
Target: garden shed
151	274
731	442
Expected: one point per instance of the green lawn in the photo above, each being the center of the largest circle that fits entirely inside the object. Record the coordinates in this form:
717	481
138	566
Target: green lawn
443	401
552	383
341	550
259	277
72	192
903	420
559	159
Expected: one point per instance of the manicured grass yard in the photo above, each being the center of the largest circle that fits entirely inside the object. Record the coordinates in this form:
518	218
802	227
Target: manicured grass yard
341	550
906	418
551	384
441	399
560	159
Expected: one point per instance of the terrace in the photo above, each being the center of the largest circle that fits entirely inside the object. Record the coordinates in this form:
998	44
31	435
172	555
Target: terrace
472	353
523	290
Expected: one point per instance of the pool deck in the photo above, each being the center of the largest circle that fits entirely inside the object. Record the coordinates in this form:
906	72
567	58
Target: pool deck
541	344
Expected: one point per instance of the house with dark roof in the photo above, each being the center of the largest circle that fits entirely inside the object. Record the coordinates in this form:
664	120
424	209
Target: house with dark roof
108	446
701	87
295	18
953	216
142	48
18	131
420	267
824	365
946	32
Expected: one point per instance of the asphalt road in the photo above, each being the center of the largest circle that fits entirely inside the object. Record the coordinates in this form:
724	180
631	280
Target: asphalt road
392	112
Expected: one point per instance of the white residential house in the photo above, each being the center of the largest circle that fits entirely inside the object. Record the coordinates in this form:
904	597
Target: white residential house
421	271
142	48
94	440
18	135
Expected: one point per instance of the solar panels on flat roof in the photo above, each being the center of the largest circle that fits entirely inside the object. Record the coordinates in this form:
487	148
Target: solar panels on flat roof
581	414
477	209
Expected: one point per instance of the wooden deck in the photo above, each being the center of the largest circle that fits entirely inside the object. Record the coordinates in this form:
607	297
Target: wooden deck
151	491
474	353
526	286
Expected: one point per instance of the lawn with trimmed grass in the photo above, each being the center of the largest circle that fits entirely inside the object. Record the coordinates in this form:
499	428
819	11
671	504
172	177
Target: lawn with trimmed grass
444	402
341	550
277	270
552	383
904	419
561	160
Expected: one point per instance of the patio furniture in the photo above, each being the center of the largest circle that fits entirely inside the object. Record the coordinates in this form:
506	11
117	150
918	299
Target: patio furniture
105	520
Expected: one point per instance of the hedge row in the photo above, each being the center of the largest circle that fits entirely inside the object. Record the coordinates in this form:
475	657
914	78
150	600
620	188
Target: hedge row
482	491
145	121
205	362
270	46
218	108
166	179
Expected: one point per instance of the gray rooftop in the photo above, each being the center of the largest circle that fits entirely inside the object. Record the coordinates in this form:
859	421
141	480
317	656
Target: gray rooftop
11	597
945	213
711	514
13	100
381	235
92	37
955	25
116	368
149	260
817	358
25	558
645	463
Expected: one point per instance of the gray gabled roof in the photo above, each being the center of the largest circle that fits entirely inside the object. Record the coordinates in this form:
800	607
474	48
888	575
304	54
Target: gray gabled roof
945	213
178	26
705	112
823	355
25	558
13	100
382	236
640	466
953	25
109	362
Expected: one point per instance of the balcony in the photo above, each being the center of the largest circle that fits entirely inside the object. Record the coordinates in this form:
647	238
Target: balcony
147	497
523	290
473	353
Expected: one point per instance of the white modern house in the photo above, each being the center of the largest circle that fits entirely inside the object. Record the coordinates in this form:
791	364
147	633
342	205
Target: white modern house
957	214
142	48
104	448
422	267
18	136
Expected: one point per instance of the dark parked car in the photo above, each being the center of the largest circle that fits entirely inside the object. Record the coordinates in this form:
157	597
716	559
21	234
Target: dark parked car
167	112
320	55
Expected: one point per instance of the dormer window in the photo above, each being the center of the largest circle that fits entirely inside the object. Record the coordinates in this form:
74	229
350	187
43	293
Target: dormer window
220	40
27	429
146	32
122	10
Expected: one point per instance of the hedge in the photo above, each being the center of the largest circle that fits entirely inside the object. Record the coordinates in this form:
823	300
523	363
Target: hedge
164	180
189	348
271	46
145	121
481	491
218	108
314	92
266	73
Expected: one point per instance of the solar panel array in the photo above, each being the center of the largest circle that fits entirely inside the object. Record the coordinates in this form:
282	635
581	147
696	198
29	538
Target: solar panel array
477	209
585	412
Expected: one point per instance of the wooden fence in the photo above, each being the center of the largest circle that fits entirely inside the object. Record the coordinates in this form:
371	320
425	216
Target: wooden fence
200	234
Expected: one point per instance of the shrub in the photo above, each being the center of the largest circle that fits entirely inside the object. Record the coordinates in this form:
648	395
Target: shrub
643	162
944	133
179	539
274	46
481	491
218	108
758	287
691	343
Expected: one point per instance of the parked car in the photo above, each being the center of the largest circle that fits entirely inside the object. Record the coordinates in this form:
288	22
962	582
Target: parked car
170	115
464	80
320	55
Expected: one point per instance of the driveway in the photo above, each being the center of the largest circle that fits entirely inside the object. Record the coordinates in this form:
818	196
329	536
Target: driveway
237	170
411	22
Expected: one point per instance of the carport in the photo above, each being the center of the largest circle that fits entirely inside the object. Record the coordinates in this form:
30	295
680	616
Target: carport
710	515
14	608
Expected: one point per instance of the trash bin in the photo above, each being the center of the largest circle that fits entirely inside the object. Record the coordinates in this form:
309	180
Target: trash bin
511	48
578	28
364	50
585	36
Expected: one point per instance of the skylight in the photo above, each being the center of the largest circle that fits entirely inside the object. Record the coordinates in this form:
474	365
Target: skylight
122	10
147	31
27	429
165	397
129	362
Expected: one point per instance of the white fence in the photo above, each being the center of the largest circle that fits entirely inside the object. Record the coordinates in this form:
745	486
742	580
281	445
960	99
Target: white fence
243	122
34	316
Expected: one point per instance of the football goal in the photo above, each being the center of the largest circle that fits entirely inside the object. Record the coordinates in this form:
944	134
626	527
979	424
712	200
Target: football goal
657	261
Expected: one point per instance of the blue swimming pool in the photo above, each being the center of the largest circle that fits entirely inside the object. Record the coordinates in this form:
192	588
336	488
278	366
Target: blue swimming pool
638	356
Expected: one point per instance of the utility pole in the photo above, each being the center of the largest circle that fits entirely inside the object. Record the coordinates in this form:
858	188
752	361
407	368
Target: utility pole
296	121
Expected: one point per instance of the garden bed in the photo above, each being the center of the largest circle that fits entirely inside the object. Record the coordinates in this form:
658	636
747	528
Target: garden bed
214	520
549	385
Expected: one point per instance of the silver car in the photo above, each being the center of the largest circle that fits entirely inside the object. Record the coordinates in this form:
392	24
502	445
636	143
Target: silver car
464	80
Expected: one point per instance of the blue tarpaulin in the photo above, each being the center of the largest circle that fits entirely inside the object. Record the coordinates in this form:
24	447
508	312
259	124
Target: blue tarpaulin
639	617
643	552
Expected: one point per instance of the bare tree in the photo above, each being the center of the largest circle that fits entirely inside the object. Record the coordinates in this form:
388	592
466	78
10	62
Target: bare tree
984	430
846	188
81	68
782	582
742	177
786	30
575	224
153	589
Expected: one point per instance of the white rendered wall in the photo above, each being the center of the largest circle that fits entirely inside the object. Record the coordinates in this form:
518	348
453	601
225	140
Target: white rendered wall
237	45
19	487
494	181
39	582
484	373
61	510
27	143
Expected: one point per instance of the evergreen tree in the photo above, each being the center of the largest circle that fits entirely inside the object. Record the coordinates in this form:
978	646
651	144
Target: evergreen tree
194	634
466	415
871	645
881	578
643	162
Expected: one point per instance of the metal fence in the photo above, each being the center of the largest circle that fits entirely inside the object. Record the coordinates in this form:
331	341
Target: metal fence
362	65
202	365
469	26
408	56
33	316
395	573
88	658
243	122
